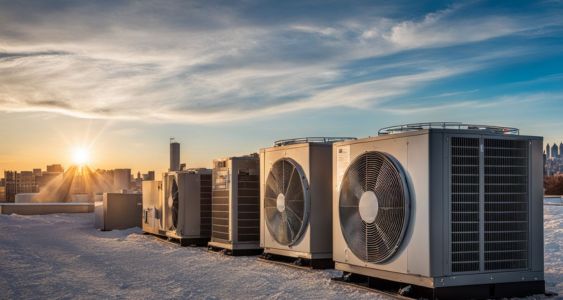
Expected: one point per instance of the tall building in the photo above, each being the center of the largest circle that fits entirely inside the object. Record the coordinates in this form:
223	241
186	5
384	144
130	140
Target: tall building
22	182
56	168
560	150
174	155
121	179
554	151
547	151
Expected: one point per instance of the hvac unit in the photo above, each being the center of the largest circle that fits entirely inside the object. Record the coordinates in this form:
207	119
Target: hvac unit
295	210
152	206
236	205
186	208
454	210
118	211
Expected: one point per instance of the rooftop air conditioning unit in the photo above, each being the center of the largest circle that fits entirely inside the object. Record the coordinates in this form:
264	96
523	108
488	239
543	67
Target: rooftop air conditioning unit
236	205
295	180
186	208
451	209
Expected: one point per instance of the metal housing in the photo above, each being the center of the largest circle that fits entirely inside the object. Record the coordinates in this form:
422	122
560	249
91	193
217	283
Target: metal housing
450	240
236	203
315	161
194	205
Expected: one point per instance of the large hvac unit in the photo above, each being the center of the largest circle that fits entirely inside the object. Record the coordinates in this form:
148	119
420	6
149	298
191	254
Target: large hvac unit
186	208
236	205
452	209
296	193
152	206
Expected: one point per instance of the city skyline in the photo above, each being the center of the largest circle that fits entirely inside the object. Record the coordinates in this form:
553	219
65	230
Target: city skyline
121	78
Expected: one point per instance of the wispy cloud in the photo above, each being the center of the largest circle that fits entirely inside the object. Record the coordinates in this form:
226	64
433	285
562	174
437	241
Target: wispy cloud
204	62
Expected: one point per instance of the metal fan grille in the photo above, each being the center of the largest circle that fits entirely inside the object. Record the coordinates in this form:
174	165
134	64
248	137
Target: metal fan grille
286	202
175	201
378	174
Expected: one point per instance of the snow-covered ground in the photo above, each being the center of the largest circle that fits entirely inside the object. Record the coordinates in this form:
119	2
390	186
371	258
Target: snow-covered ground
63	256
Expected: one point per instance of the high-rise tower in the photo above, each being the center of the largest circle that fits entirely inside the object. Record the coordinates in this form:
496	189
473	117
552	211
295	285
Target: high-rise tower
174	155
554	151
547	151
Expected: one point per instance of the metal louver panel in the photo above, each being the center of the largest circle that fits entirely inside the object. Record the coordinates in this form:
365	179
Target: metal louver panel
220	208
374	206
205	205
465	204
248	208
286	202
506	204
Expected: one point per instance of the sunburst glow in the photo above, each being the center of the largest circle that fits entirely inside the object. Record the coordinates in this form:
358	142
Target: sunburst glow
80	156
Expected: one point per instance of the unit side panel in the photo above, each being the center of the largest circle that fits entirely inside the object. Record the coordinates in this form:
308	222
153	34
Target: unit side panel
220	205
262	189
438	207
536	206
320	219
189	195
417	239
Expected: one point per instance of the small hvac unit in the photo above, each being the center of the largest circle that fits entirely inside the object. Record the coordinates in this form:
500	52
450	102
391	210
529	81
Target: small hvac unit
295	210
451	209
186	208
118	211
236	205
152	206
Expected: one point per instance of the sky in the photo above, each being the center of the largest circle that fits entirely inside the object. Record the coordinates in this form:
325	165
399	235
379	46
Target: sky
230	77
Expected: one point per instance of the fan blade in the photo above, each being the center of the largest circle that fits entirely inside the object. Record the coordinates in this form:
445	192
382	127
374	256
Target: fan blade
271	187
289	183
296	207
277	177
270	202
287	170
292	226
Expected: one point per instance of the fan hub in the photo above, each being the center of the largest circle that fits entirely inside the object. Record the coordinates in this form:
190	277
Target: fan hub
368	207
280	202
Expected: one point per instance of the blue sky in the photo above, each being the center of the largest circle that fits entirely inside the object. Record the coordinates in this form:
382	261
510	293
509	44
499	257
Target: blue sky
228	78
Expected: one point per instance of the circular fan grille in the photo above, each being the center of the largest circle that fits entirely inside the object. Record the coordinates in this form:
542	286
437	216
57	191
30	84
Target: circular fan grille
374	206
286	202
174	201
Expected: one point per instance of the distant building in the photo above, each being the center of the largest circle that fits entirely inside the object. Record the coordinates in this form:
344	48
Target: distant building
148	176
174	155
46	178
547	151
2	194
121	179
37	172
55	168
22	182
554	151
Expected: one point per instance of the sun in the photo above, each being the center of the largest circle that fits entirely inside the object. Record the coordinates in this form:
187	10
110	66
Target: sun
80	156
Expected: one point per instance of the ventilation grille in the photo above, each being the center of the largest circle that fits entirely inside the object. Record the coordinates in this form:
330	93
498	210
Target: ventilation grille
248	208
205	202
489	204
374	206
465	204
220	205
506	204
